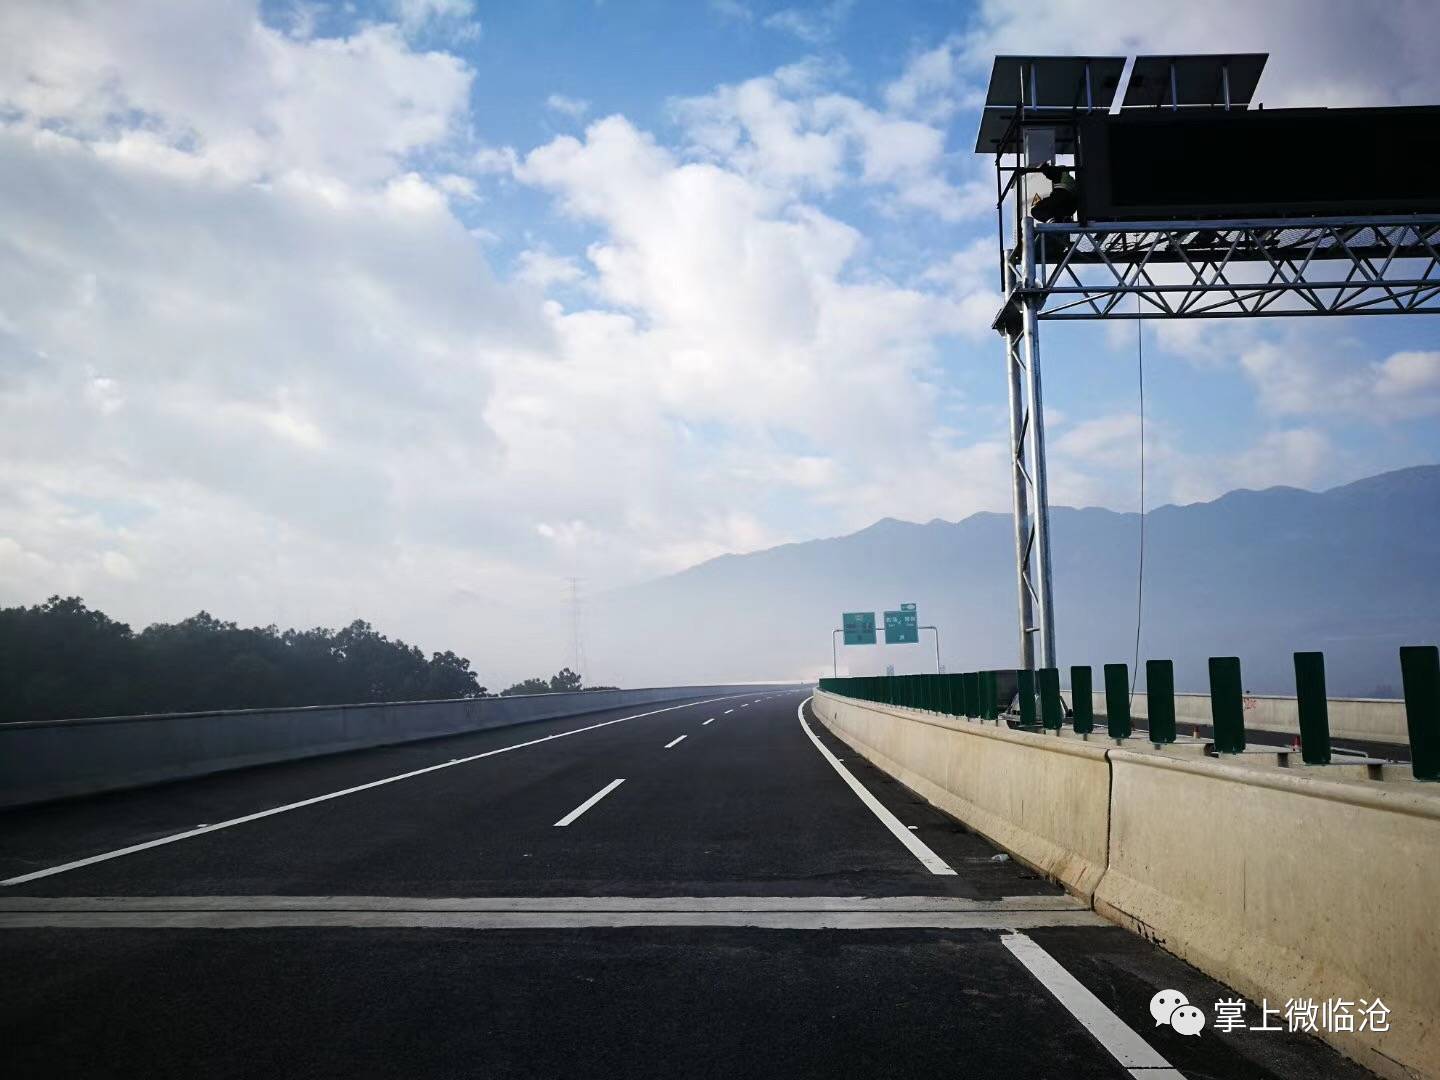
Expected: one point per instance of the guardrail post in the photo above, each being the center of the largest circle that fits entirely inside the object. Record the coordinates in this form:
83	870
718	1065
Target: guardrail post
1420	672
1227	704
1313	706
1082	700
1160	700
1052	713
1117	700
1025	692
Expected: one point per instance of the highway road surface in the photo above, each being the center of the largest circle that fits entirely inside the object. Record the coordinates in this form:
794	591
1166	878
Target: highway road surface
712	889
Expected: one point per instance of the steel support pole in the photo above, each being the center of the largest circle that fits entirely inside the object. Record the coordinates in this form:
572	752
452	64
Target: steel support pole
936	629
1036	408
1020	498
834	655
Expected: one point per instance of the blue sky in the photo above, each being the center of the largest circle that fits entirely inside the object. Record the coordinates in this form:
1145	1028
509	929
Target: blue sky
412	309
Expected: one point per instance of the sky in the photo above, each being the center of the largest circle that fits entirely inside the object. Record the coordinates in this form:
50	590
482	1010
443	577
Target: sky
412	310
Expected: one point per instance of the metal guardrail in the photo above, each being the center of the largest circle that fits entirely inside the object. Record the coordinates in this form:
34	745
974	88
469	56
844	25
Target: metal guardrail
985	695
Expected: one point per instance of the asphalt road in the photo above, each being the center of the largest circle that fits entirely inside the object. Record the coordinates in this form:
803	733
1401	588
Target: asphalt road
497	905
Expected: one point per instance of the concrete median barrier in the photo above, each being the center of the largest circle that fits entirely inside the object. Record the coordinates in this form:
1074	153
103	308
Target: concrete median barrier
1287	887
54	759
1042	798
1286	884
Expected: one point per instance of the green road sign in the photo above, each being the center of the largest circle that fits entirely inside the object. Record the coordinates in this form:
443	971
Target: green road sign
902	627
859	627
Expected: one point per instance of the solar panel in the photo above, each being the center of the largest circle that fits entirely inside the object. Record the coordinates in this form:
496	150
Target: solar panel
1058	81
1198	80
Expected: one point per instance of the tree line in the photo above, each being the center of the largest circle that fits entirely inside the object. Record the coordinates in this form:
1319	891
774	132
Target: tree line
61	659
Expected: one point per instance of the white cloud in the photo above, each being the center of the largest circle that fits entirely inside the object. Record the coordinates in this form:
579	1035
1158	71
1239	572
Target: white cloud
815	25
453	18
494	160
240	98
1341	54
459	187
1408	383
574	108
785	131
1301	375
733	10
543	269
930	86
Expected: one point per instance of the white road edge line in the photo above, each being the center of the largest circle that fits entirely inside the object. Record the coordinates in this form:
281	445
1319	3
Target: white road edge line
934	863
588	803
672	742
1137	1056
133	848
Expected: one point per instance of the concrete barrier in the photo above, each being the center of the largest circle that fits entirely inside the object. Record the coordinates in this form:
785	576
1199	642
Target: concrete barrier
55	759
1283	884
1380	720
1286	887
1043	799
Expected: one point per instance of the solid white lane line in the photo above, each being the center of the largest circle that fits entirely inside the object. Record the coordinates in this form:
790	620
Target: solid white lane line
875	904
934	863
547	912
1128	1048
133	848
588	803
672	742
710	721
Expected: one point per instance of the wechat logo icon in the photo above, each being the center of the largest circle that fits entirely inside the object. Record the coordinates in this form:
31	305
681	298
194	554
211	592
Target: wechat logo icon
1173	1008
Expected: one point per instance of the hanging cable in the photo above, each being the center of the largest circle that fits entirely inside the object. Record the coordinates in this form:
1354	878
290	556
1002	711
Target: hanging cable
1140	572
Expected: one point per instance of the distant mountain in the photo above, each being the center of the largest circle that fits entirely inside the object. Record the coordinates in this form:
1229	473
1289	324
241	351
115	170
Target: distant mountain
1353	571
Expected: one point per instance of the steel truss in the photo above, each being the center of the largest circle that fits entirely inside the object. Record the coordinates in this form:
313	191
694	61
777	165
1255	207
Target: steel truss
1236	269
1180	270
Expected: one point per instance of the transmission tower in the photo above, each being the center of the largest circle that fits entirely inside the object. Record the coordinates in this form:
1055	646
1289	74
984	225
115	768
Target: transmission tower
577	637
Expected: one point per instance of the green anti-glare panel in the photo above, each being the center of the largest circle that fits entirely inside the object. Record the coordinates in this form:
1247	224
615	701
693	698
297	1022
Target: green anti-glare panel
1052	713
955	694
902	627
1026	697
859	627
1420	673
1117	700
1227	704
989	709
1082	700
1313	707
1160	700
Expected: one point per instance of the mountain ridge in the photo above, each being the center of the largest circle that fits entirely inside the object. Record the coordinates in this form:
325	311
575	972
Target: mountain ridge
1350	570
